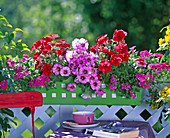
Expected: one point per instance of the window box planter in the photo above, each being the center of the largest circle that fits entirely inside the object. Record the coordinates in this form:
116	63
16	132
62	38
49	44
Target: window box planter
59	95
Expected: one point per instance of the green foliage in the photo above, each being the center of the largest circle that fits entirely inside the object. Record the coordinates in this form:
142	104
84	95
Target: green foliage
142	19
9	46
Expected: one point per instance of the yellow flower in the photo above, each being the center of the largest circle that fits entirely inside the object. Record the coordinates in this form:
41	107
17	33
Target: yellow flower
168	91
167	39
168	30
160	93
165	88
160	41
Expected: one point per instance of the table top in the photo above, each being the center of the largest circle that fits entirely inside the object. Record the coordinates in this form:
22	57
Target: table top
145	130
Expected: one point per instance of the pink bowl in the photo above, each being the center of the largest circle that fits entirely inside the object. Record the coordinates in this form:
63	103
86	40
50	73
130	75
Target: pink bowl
83	117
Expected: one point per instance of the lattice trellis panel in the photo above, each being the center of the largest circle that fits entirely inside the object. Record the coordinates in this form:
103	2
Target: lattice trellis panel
48	118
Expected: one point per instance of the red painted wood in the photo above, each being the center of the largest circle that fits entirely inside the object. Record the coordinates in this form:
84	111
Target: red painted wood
32	114
20	99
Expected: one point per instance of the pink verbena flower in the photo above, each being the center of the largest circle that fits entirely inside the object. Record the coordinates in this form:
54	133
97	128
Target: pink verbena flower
140	77
150	76
158	54
19	68
25	56
11	62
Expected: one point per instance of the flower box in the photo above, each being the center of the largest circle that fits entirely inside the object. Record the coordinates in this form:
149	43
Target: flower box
60	95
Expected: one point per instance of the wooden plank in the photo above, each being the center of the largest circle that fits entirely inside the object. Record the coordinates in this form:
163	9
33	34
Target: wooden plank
20	99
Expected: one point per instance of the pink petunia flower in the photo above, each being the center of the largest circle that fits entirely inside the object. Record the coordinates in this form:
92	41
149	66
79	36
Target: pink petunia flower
126	86
95	85
4	84
56	69
145	54
65	71
144	84
132	94
83	78
112	86
71	87
99	92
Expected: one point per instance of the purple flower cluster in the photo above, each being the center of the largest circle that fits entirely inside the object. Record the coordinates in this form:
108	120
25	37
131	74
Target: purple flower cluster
82	64
60	70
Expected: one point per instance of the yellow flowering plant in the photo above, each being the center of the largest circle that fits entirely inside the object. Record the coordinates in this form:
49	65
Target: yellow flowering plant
164	43
164	97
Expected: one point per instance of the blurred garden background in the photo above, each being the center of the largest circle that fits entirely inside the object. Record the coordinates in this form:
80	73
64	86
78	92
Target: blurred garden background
142	19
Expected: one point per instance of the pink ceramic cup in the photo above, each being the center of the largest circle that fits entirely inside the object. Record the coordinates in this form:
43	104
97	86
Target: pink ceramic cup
83	117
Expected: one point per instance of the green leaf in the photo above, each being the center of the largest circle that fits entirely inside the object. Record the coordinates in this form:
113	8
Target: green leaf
13	43
25	49
24	45
6	47
9	25
11	36
1	37
14	34
18	29
13	121
19	41
7	37
8	112
3	19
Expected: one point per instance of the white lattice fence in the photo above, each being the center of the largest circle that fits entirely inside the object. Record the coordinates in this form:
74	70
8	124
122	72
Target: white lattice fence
48	118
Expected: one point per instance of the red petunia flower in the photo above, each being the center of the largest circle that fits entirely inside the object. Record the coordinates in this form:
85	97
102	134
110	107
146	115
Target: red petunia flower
95	48
104	50
47	69
60	52
102	39
105	66
37	54
47	49
53	36
119	35
36	45
125	57
141	62
98	75
46	40
61	41
116	59
121	47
